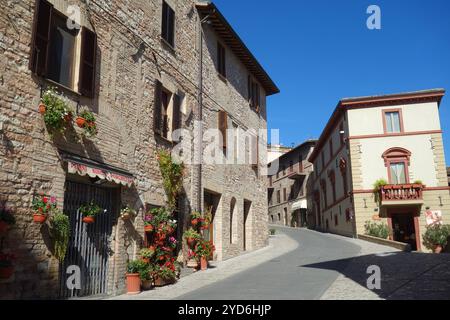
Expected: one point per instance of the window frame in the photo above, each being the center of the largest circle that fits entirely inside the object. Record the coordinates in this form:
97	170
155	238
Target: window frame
400	119
166	25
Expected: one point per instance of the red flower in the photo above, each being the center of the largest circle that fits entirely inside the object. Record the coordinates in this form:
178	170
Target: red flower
45	200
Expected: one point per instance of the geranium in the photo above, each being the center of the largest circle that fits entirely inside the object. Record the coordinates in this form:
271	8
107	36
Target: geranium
148	219
204	248
43	205
173	242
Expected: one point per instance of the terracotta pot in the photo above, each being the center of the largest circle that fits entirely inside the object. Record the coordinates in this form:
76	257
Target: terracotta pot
42	108
147	285
191	242
148	228
6	272
437	249
203	263
133	283
39	218
88	220
80	122
3	227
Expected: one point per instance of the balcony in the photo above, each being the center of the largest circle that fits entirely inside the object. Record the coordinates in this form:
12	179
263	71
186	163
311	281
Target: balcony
401	194
296	173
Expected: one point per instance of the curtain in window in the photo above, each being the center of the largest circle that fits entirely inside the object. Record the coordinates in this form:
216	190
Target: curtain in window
393	122
398	173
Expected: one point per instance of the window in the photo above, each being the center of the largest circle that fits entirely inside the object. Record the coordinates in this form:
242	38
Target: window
332	177
397	161
271	217
254	97
291	166
323	161
341	133
233	222
331	148
64	56
221	60
284	195
336	220
166	117
398	172
392	121
279	196
283	168
279	216
168	24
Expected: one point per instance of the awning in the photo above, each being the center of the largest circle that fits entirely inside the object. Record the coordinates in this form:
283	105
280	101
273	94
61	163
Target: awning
301	204
87	167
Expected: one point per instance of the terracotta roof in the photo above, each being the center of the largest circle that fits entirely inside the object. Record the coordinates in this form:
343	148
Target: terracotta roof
234	42
373	101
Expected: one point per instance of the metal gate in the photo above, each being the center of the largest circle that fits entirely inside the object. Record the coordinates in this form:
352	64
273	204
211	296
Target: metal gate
89	245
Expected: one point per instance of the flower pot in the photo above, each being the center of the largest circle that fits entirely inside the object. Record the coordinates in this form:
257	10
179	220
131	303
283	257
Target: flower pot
6	272
437	249
148	228
147	285
42	108
80	122
133	283
3	227
39	218
191	242
203	263
88	220
161	282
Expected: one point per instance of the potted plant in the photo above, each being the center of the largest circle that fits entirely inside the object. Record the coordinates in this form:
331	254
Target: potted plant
195	218
148	223
42	206
191	237
86	120
378	230
6	265
133	276
380	183
147	253
6	219
203	250
165	274
127	213
146	276
60	231
89	211
417	184
56	111
436	237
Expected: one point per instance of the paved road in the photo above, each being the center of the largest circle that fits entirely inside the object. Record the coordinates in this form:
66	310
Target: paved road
287	277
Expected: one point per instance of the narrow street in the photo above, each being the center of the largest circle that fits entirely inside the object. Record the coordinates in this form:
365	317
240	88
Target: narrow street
286	277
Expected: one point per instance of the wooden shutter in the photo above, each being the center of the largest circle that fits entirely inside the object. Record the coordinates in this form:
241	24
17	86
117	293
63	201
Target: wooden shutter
258	98
171	27
41	37
87	65
255	147
223	126
157	109
176	112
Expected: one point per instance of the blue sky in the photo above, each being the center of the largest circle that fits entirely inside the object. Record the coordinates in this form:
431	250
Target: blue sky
318	52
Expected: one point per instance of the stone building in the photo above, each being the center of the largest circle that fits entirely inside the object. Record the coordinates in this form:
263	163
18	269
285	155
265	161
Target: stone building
274	151
136	65
448	176
396	138
287	186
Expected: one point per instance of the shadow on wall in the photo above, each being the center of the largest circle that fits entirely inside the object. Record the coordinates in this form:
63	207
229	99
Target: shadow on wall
417	276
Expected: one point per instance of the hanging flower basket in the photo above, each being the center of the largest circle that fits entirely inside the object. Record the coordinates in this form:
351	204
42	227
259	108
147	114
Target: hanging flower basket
39	218
89	211
42	108
80	121
89	220
148	228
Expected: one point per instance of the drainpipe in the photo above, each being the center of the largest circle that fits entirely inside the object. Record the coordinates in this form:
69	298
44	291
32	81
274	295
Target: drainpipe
198	147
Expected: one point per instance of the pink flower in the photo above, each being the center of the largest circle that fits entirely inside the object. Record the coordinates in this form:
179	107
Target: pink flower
53	199
172	240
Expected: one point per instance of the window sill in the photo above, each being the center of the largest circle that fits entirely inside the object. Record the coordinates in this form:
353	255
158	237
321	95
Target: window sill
167	45
62	87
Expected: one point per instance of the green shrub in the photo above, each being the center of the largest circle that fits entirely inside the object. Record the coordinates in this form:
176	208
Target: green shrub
436	235
378	230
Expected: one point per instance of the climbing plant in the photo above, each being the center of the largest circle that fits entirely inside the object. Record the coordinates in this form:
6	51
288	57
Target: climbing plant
172	174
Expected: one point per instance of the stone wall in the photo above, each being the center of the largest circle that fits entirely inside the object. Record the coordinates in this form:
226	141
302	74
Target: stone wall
123	104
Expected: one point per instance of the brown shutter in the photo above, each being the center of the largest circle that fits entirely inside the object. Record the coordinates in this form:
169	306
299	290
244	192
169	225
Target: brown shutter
258	98
157	109
223	126
41	37
255	147
176	112
87	65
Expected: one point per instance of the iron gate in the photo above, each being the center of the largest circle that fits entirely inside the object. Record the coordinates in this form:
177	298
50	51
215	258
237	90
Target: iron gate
89	245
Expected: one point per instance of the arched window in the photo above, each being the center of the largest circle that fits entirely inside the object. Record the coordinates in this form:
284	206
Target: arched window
397	161
233	221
